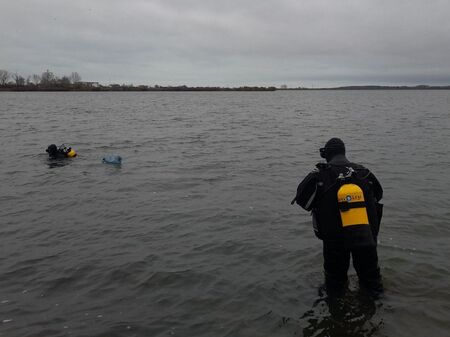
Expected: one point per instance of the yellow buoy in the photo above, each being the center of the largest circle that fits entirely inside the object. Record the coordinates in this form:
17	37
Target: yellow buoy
351	205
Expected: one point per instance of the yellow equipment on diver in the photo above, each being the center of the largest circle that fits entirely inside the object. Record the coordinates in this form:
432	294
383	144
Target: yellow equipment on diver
352	206
67	151
71	153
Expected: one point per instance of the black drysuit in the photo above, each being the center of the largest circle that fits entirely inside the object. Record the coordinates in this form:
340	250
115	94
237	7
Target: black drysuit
317	193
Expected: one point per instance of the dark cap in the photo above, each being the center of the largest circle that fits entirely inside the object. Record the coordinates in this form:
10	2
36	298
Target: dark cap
333	147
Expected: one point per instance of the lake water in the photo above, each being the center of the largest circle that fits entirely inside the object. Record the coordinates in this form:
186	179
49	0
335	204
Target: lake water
194	234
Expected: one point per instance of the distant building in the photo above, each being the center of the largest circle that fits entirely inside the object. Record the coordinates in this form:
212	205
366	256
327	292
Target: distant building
90	84
283	87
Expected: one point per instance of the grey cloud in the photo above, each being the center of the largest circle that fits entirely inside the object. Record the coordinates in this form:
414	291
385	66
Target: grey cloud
230	43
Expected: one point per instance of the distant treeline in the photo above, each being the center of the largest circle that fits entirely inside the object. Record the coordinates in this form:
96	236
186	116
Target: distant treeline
48	81
385	87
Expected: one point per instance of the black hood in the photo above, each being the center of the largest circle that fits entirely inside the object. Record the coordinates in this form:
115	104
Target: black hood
334	147
52	149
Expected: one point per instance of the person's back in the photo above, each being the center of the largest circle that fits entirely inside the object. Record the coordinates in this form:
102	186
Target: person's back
343	198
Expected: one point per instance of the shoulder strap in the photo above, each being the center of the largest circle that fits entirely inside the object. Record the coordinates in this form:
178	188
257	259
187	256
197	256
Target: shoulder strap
326	169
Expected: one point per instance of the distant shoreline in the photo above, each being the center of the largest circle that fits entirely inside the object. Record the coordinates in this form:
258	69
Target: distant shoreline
124	88
380	87
144	88
48	81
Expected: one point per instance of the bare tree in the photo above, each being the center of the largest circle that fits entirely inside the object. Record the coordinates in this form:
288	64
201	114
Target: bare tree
36	79
75	78
4	77
64	81
20	81
47	77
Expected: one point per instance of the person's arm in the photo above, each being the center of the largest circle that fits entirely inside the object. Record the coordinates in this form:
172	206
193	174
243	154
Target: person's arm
376	187
378	194
306	191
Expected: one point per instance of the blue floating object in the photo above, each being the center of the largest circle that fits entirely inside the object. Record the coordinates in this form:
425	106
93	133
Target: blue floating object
112	159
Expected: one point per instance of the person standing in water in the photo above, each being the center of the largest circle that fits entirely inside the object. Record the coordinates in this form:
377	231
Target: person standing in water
343	198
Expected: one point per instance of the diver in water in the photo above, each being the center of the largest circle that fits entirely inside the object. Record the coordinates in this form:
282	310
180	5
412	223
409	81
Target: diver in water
60	152
343	198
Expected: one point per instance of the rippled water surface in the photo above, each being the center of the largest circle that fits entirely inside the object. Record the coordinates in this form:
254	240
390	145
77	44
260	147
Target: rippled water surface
194	234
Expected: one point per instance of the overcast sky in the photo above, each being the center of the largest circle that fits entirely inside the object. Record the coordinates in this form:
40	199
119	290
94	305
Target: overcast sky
230	42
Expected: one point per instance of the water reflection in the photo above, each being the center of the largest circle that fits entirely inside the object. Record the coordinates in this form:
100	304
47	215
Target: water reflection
350	314
54	163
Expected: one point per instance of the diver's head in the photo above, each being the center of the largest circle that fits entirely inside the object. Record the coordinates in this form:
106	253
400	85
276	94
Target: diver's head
52	150
332	148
